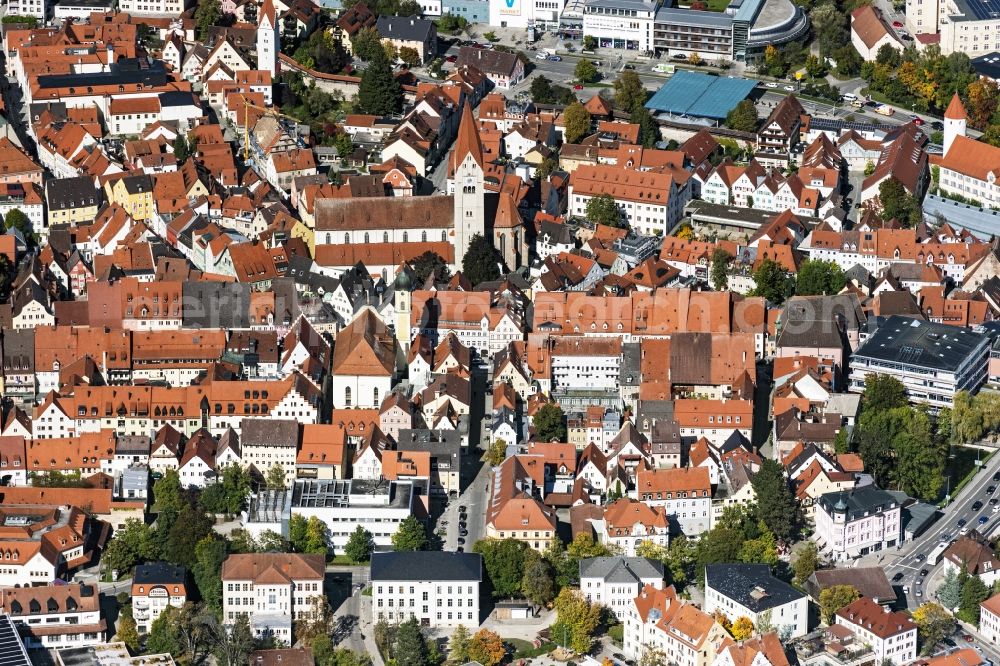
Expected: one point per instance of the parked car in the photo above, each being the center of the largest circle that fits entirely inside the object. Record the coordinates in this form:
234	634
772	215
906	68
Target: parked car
770	84
578	87
789	88
897	24
451	58
919	593
937	126
555	58
996	477
679	56
898	577
991	490
542	55
917	120
983	520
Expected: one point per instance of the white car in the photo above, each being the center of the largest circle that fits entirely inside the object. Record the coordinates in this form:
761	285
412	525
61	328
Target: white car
770	84
542	55
789	88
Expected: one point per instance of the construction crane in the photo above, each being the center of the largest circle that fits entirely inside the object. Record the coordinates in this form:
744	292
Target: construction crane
246	122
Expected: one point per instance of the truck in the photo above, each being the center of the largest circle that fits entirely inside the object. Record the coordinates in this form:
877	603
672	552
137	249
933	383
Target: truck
664	68
885	109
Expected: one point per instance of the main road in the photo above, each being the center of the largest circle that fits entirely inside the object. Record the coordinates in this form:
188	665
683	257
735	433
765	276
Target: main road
910	558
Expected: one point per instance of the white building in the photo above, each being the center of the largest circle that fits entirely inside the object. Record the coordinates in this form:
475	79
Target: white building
55	616
989	620
155	586
892	635
933	361
614	582
522	13
749	590
857	522
683	633
651	202
163	8
439	589
272	589
685	493
622	24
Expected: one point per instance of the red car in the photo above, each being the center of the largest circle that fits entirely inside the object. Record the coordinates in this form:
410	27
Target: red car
897	24
917	120
451	58
578	87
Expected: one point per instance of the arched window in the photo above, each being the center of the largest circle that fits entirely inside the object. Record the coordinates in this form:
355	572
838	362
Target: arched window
444	236
423	236
385	236
347	239
329	238
405	237
366	238
347	396
503	245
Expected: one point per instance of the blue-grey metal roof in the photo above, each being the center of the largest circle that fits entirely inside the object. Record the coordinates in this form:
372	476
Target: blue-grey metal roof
748	10
988	65
750	585
694	17
693	94
636	5
983	222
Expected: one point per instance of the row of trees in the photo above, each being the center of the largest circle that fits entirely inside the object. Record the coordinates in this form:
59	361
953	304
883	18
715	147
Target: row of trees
405	645
926	80
773	282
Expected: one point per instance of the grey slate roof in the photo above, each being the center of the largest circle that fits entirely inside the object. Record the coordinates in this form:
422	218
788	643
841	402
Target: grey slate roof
620	569
856	502
404	28
68	193
269	432
750	585
427	565
159	573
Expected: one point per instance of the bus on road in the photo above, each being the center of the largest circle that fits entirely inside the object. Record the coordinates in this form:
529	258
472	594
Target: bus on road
935	555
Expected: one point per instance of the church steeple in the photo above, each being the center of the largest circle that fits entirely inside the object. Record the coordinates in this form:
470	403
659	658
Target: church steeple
466	167
467	142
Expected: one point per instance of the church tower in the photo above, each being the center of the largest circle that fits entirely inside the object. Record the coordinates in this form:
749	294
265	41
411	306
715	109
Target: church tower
268	39
954	122
508	233
469	177
403	302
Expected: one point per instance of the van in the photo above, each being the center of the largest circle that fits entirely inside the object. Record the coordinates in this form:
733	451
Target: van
848	97
885	109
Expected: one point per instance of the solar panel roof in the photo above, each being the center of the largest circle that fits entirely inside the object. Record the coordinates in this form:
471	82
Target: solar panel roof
693	94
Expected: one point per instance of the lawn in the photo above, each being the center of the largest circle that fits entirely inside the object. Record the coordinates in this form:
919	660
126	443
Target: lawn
526	649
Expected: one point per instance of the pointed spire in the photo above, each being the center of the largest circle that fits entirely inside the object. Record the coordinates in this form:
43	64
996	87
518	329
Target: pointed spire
507	216
956	110
468	141
267	11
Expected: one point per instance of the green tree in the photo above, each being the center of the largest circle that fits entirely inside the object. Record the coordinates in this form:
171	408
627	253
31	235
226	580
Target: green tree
131	545
603	209
228	496
835	597
18	220
481	261
191	526
576	621
316	542
950	591
297	525
897	203
805	563
718	545
743	117
210	553
760	550
458	645
409	55
232	647
550	423
817	277
649	133
589	42
410	535
367	44
548	166
127	631
326	654
486	647
831	27
276	477
933	624
379	93
409	648
974	592
538	584
576	122
180	146
815	67
720	268
164	636
629	91
585	71
497	452
848	60
883	392
541	90
776	506
207	15
772	282
427	264
920	460
342	142
503	560
360	546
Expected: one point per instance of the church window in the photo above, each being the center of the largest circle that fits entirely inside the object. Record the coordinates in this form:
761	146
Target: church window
405	238
423	236
366	237
385	236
